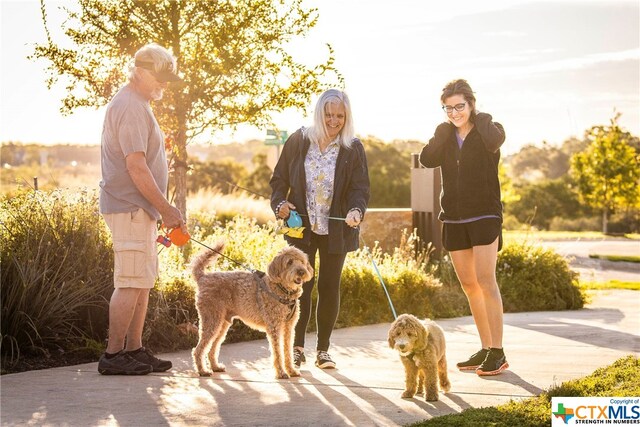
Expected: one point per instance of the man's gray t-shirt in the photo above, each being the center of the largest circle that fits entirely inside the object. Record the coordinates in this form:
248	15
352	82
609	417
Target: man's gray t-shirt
129	127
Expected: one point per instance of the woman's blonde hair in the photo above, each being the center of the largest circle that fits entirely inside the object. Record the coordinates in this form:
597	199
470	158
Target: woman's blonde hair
318	131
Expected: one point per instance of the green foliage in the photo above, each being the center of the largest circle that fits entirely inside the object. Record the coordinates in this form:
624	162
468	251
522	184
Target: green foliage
620	379
610	284
607	174
258	181
622	258
540	202
389	173
219	175
410	287
533	162
534	278
581	224
56	271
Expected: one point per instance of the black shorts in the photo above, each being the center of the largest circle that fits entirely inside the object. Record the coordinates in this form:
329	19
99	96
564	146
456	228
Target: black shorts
456	237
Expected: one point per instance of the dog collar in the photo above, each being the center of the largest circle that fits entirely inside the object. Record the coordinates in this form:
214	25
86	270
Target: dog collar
291	303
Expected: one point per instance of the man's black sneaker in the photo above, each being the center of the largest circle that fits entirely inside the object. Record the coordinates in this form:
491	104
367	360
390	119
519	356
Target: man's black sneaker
495	363
474	361
122	364
324	361
143	355
298	357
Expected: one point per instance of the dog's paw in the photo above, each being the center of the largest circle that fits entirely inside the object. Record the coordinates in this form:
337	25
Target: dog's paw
205	374
282	376
294	373
407	394
431	398
219	368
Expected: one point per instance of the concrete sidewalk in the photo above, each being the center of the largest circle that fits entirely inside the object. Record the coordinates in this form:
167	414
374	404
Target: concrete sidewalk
543	349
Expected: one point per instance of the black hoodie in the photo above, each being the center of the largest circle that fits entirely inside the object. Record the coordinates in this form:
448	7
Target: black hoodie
470	185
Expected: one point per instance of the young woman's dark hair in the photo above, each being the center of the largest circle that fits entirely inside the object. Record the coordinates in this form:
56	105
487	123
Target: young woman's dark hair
460	87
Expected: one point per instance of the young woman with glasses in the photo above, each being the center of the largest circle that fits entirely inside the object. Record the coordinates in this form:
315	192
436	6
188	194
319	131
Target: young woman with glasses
467	149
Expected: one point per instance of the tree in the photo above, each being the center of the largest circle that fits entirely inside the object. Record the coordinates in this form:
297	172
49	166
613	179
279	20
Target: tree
389	173
231	54
257	182
222	175
539	202
607	173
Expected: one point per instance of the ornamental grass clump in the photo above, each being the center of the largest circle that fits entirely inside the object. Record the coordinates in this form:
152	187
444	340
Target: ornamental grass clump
56	272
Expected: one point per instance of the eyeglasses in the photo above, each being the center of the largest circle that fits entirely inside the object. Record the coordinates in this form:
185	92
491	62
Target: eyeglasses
458	107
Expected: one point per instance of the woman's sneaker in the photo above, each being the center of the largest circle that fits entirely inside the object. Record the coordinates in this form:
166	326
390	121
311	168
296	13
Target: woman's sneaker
298	357
143	355
324	361
495	363
474	361
122	364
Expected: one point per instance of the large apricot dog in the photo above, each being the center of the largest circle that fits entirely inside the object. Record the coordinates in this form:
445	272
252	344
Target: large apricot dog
267	303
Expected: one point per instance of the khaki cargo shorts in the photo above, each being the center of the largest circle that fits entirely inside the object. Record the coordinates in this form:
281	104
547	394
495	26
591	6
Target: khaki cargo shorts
134	246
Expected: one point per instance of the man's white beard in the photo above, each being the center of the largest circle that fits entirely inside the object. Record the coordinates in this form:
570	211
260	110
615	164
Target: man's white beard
156	95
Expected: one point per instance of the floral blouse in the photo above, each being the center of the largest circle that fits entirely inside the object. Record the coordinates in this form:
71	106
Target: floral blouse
320	171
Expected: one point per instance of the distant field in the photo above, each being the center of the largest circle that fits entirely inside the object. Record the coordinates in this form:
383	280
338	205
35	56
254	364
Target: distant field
49	178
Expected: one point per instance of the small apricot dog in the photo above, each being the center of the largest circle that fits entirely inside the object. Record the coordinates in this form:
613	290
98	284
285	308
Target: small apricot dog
423	353
265	302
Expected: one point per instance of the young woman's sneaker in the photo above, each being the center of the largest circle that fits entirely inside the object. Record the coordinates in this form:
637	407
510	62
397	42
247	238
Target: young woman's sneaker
298	357
324	361
495	363
474	361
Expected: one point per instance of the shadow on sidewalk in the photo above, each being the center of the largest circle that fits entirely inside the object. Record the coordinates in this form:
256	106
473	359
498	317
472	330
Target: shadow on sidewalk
573	325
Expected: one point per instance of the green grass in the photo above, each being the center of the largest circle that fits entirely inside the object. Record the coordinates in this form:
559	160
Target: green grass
520	235
616	258
620	379
611	284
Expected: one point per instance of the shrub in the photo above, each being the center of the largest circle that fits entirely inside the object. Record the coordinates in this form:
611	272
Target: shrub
412	288
56	271
534	278
57	267
577	224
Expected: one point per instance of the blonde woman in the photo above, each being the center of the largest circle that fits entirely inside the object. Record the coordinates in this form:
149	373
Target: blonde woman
323	173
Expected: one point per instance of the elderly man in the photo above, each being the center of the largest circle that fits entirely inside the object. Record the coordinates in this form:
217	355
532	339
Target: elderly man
132	200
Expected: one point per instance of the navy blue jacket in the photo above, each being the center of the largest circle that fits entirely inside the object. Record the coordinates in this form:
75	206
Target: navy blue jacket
470	185
350	190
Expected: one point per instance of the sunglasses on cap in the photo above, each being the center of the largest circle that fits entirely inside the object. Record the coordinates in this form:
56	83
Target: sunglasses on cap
166	73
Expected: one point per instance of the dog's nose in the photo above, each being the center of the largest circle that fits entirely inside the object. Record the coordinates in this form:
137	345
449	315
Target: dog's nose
401	346
301	272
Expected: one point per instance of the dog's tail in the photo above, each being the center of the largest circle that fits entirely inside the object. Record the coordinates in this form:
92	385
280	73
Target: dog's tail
201	261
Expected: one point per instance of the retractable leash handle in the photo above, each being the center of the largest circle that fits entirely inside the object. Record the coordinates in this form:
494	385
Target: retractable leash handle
173	235
177	237
294	220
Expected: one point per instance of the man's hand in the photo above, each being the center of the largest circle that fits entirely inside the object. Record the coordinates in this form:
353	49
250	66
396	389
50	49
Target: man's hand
172	218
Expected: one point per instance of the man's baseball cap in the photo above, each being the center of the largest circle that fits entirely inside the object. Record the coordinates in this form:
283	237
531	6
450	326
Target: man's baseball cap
166	73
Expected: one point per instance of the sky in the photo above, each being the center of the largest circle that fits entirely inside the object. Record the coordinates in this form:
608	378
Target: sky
546	70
